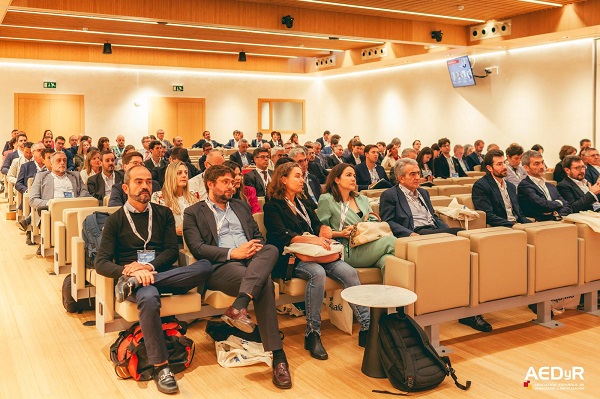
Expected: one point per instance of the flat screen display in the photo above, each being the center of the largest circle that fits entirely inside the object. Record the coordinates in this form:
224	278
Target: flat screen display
460	71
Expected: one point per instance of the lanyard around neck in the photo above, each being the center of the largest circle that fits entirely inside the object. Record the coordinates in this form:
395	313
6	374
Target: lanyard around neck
303	214
146	241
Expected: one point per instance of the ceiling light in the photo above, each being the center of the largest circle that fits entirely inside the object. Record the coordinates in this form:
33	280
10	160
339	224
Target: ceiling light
107	48
184	39
242	57
218	28
328	3
546	3
145	47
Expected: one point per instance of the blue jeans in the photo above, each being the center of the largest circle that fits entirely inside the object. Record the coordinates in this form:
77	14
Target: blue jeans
314	274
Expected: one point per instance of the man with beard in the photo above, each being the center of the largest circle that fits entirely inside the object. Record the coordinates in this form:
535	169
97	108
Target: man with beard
138	248
100	185
222	230
496	196
582	195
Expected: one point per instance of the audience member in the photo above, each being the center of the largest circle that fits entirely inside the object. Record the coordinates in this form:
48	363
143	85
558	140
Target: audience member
206	138
15	166
196	183
515	170
445	166
391	156
100	185
320	157
17	153
260	177
325	140
341	207
592	173
276	154
416	145
312	188
336	156
138	249
333	141
103	144
82	151
59	145
235	141
287	218
128	148
583	144
495	195
314	166
368	173
206	148
459	153
258	141
423	159
132	158
276	140
156	160
537	198
242	157
476	157
559	172
160	136
356	157
92	165
177	143
241	191
222	230
578	192
145	150
177	154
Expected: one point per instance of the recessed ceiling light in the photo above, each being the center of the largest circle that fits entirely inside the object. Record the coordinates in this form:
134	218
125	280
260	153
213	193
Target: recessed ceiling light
546	3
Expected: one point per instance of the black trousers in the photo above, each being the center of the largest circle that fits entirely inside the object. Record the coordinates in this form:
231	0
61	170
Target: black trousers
178	280
253	277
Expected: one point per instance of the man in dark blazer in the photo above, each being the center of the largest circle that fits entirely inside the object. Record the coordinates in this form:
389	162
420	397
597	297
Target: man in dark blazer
537	198
177	154
366	171
242	262
97	184
242	157
578	192
235	141
356	157
395	209
260	177
20	145
156	160
336	157
496	196
117	194
314	165
258	141
206	139
324	141
312	187
407	209
593	159
441	165
476	157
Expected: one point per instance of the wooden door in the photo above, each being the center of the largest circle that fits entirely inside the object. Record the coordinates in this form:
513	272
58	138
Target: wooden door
177	116
61	113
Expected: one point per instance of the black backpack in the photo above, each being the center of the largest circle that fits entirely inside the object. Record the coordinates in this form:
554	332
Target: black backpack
130	358
92	233
70	304
409	360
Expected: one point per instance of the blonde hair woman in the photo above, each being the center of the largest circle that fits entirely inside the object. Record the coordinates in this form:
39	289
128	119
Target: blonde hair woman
175	193
91	166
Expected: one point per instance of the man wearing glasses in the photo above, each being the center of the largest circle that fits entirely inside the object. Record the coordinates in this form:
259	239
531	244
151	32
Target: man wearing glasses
593	165
312	188
260	177
575	189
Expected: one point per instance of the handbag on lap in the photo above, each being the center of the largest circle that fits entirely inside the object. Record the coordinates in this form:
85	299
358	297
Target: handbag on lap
364	232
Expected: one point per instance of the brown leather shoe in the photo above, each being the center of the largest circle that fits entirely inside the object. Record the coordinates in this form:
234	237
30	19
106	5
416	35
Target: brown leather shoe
238	319
281	376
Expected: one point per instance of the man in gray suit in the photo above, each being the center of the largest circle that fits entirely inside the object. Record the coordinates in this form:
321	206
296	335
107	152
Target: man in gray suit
223	231
59	183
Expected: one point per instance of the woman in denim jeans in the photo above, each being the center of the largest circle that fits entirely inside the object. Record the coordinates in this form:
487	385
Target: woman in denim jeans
287	217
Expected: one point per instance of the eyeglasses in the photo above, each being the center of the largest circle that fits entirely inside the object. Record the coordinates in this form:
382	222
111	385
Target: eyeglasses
582	167
302	160
264	157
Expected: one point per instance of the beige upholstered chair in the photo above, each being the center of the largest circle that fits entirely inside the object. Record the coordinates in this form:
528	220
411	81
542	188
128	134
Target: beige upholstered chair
464	180
433	191
475	173
440	200
373	193
498	263
55	214
453	189
442	182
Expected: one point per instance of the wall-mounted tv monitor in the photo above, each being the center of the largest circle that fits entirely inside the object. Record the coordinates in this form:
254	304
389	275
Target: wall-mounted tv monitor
460	71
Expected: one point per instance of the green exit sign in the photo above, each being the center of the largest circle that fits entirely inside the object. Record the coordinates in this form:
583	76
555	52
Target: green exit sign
177	88
49	85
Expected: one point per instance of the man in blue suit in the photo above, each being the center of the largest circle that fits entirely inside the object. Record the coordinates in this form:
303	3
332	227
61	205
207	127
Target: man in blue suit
537	198
235	141
21	140
476	157
369	174
258	141
496	196
408	210
592	161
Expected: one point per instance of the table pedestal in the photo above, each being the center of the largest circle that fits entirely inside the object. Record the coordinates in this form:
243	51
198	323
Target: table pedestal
371	364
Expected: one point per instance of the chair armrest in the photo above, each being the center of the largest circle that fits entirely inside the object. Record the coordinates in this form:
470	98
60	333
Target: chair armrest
474	298
60	246
530	270
400	273
77	265
46	230
581	261
105	302
26	207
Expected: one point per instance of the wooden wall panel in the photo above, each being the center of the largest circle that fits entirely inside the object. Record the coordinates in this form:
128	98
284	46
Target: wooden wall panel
185	117
61	113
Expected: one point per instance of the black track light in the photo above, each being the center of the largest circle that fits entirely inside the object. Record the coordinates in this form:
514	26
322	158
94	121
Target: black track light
242	57
107	48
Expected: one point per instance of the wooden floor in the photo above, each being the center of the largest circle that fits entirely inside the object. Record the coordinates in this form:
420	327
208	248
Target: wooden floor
48	353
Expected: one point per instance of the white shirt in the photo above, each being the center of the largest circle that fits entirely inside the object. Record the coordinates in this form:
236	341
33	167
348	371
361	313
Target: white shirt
62	185
451	165
108	183
15	166
583	185
374	175
356	159
541	183
262	176
196	184
420	212
506	198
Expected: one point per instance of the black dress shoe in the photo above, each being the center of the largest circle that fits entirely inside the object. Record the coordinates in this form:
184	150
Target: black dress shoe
281	376
238	319
125	287
362	338
313	343
476	323
28	241
39	251
165	381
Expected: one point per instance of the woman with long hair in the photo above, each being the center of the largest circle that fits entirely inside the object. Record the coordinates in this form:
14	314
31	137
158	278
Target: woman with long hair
294	140
391	156
92	165
423	159
559	172
243	192
79	158
288	216
103	144
276	140
175	193
341	207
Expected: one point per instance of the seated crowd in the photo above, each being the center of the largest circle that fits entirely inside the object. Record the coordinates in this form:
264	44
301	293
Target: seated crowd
311	194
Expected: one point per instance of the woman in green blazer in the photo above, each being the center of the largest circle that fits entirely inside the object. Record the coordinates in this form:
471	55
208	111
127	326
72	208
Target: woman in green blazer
341	201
